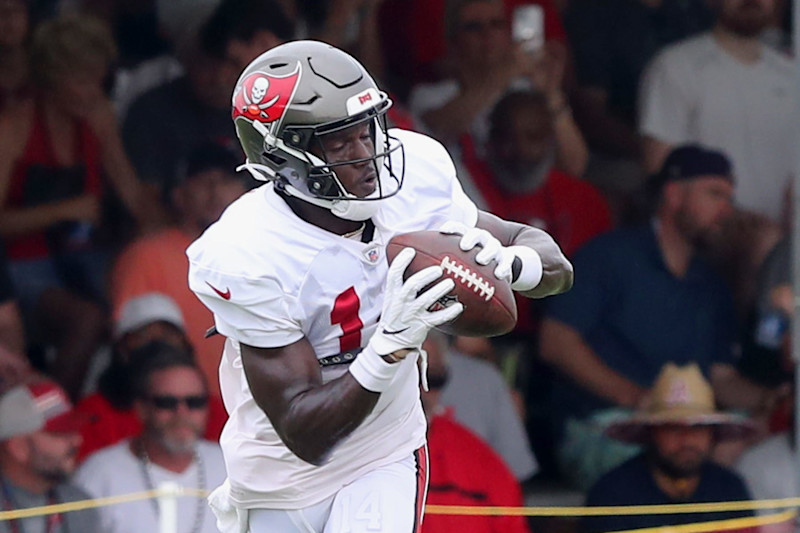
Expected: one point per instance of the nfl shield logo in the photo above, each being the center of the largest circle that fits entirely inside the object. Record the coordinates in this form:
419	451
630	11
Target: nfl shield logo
372	254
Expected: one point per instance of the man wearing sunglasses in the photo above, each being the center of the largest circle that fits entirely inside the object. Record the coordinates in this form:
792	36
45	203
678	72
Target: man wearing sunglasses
172	402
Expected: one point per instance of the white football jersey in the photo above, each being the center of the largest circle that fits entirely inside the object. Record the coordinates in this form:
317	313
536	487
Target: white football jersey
271	278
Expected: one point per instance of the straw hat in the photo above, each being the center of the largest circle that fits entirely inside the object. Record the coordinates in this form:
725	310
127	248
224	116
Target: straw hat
680	395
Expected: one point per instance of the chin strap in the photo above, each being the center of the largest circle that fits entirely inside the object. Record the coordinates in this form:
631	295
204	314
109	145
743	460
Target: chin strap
350	208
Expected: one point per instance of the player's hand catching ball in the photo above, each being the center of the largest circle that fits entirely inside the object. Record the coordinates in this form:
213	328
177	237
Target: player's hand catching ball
492	250
405	321
520	265
406	318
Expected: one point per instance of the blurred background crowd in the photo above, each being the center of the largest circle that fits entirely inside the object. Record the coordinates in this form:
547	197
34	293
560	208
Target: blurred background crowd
654	139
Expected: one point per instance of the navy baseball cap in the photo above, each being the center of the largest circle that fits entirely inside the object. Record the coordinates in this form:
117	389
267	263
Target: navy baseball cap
691	161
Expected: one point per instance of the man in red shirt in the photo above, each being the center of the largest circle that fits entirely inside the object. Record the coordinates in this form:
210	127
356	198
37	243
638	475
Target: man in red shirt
464	470
518	179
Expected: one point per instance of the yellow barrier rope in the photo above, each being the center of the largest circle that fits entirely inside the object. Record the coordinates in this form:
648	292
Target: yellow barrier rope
81	505
720	525
676	508
463	510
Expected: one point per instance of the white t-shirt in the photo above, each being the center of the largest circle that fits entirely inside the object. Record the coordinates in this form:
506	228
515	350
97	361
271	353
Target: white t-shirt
115	470
286	279
694	91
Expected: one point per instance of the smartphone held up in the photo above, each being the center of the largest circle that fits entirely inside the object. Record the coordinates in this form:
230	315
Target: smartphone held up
527	27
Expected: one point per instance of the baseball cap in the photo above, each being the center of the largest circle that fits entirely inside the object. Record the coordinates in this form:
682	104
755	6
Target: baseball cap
691	161
146	309
41	405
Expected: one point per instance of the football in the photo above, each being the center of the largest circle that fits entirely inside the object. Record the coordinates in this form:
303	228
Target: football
489	306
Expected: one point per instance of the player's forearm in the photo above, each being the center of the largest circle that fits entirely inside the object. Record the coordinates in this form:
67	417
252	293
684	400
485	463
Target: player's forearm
310	416
26	220
565	349
319	418
557	273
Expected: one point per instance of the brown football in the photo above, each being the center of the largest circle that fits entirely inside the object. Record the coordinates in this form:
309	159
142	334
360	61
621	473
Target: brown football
489	306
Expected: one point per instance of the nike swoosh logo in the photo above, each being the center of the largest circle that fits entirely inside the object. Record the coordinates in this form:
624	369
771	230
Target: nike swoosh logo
399	331
225	295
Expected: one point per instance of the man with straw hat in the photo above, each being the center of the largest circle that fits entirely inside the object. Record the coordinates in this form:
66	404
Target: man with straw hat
677	427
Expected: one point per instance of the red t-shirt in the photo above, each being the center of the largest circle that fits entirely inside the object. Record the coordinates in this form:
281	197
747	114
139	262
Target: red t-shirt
570	210
464	470
37	178
110	425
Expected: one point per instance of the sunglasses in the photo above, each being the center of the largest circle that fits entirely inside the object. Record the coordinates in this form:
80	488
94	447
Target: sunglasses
171	403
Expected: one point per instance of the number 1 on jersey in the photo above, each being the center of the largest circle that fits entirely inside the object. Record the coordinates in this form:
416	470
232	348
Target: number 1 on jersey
345	313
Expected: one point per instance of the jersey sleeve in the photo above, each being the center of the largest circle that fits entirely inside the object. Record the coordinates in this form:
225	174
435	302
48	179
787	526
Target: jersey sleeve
257	312
461	207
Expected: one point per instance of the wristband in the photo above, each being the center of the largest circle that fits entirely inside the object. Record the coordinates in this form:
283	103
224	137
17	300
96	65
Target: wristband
371	371
530	273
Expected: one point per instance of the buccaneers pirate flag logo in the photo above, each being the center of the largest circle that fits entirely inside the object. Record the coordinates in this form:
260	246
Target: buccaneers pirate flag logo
263	97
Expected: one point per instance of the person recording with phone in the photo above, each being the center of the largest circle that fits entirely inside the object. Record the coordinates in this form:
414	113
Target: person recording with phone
489	60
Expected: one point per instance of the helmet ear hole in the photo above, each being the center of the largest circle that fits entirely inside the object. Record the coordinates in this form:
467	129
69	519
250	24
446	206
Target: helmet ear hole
322	185
296	138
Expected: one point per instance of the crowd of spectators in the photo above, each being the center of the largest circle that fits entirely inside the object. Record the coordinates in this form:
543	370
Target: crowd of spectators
654	139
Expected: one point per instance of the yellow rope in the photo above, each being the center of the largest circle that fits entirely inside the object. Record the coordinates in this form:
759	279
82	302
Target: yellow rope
676	508
720	525
463	510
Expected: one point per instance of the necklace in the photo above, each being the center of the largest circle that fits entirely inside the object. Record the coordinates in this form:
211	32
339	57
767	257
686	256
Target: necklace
146	465
353	234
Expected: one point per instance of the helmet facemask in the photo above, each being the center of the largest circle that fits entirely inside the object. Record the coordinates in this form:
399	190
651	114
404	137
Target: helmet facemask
292	160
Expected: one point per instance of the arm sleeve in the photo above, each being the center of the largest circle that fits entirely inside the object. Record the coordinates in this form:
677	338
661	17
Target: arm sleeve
464	208
664	100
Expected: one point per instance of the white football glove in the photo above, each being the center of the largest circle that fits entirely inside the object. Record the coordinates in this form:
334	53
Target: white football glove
492	249
530	267
405	319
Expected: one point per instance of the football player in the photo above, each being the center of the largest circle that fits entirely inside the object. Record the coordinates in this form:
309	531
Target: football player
319	372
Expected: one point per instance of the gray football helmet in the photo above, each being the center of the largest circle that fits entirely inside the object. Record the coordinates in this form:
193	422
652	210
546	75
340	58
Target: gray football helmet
293	94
